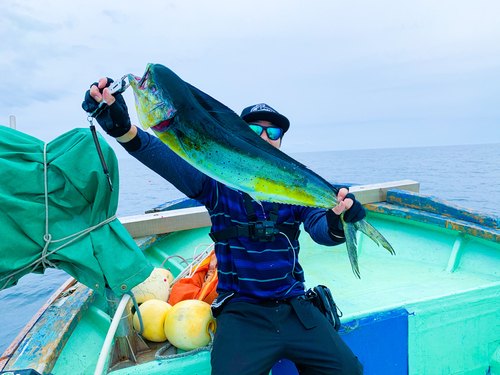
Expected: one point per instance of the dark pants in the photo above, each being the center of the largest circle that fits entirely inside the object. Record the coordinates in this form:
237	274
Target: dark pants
251	338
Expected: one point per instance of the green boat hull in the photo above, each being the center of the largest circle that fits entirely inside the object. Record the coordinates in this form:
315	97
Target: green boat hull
434	308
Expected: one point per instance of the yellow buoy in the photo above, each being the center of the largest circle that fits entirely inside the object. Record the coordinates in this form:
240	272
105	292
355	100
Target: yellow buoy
153	313
187	324
156	286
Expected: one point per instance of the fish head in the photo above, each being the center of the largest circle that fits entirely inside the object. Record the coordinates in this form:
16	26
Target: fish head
155	107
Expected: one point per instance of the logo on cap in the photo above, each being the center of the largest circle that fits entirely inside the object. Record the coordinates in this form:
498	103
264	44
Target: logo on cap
262	107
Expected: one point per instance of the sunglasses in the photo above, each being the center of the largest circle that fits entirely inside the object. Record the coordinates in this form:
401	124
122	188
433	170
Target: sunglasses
273	133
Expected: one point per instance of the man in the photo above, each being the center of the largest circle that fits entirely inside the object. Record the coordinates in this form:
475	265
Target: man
262	316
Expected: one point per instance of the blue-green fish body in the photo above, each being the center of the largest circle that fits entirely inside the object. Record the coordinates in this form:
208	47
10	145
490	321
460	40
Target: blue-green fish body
219	143
216	141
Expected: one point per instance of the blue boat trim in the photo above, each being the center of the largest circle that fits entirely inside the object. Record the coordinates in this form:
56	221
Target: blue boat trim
146	242
438	206
466	227
437	212
175	204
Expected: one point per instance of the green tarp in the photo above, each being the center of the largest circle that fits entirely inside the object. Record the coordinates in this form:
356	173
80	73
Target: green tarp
79	197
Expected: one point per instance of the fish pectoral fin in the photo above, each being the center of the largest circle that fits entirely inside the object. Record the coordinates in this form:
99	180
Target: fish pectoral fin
375	235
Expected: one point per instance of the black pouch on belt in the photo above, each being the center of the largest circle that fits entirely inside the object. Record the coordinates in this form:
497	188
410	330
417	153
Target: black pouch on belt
302	308
323	300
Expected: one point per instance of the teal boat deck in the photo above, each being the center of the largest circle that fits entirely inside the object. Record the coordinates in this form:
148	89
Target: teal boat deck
446	275
433	308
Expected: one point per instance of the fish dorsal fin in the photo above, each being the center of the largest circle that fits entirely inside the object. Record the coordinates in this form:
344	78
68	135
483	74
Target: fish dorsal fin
225	116
215	108
234	124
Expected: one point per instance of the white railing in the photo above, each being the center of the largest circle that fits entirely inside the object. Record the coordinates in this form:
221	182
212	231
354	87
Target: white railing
13	122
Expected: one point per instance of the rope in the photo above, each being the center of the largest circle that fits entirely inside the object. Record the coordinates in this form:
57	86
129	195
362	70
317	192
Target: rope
174	256
139	315
160	351
188	271
44	261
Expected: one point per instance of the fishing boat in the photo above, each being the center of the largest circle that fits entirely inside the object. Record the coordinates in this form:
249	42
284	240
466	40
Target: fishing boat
434	308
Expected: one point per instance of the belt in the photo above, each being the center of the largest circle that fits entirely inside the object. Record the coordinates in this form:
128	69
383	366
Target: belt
271	302
302	310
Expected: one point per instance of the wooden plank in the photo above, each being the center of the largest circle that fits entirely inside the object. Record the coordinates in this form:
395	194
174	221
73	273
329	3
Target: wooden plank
45	341
378	192
438	206
20	337
198	217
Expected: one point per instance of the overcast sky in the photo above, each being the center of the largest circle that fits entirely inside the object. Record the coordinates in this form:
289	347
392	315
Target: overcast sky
348	74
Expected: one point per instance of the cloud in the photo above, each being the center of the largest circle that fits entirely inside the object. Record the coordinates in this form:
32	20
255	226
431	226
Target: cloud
116	16
322	63
27	47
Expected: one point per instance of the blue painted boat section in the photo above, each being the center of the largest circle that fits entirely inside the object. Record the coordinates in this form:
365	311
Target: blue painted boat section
438	206
42	345
467	227
284	367
380	341
175	204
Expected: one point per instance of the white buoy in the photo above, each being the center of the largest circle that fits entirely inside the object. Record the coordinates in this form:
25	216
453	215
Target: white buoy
168	275
156	286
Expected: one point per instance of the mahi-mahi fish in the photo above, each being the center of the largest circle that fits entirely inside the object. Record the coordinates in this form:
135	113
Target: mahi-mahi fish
217	142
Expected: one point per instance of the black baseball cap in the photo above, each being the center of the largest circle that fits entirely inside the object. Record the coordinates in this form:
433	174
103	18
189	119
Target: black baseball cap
264	112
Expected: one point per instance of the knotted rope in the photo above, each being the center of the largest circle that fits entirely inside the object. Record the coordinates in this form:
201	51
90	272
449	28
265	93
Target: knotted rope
160	351
44	261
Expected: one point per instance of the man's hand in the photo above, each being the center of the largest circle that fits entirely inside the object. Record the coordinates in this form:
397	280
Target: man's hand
354	211
344	204
114	120
99	91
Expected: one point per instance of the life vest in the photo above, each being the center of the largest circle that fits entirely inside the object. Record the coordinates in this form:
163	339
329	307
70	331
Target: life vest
257	230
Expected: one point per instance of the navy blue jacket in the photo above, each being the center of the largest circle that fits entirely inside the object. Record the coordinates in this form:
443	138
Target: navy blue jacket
255	270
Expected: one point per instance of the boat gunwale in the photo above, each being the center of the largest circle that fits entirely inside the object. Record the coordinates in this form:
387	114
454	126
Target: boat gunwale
471	228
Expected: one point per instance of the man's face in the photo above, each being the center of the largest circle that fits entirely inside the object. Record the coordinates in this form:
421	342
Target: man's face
267	124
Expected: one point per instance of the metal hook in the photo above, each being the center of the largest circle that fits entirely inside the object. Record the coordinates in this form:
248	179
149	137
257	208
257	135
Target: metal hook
99	152
117	87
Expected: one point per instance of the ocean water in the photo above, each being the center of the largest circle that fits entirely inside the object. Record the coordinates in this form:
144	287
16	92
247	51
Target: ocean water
468	176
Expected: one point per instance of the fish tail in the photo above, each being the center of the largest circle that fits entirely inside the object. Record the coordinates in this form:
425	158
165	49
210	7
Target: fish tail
350	230
365	227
